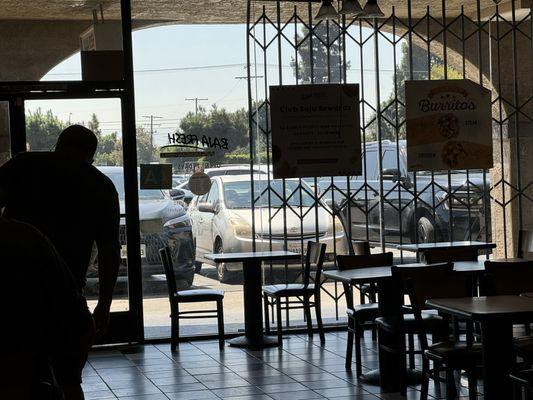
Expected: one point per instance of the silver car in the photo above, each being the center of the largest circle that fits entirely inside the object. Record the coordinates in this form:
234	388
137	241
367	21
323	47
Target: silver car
222	221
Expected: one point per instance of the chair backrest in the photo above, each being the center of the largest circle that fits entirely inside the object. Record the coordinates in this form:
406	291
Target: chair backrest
361	248
433	256
166	259
314	257
361	261
364	261
431	281
506	278
525	244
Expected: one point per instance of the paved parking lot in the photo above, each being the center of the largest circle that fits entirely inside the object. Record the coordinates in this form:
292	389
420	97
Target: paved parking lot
157	310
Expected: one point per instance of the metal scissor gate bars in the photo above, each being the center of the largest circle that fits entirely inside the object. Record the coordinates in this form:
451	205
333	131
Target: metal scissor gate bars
486	42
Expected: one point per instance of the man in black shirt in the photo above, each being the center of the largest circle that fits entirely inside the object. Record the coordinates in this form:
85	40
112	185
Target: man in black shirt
45	318
73	204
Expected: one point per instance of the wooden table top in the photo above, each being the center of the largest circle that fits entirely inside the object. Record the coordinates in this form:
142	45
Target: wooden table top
375	274
253	255
446	245
486	307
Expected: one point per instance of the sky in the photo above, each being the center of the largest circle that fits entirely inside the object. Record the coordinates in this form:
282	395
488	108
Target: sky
175	62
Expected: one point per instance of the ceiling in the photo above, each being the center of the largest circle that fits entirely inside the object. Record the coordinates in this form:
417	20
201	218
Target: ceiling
195	11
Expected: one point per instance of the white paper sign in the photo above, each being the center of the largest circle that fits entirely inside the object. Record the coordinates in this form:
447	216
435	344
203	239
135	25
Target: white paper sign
315	130
449	125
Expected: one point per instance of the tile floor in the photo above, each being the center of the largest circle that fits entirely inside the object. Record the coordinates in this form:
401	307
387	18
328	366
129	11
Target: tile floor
300	370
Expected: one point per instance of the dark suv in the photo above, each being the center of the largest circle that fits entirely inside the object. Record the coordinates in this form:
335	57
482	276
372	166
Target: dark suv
428	220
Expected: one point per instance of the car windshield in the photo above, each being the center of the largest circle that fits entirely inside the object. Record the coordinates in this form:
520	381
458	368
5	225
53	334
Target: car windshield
144	194
237	194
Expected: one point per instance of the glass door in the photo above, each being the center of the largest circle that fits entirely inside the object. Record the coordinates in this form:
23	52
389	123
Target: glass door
36	125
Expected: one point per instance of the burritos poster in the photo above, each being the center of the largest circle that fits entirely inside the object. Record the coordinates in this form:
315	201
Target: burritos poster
449	125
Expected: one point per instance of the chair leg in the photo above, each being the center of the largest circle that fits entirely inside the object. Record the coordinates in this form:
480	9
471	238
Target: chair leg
267	316
278	317
411	349
174	327
425	379
307	312
220	320
451	390
358	331
472	384
320	326
349	346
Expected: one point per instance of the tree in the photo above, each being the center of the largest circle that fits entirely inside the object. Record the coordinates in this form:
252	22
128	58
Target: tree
218	123
315	69
389	116
42	130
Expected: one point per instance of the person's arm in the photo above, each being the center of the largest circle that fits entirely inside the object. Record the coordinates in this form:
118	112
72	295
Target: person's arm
107	241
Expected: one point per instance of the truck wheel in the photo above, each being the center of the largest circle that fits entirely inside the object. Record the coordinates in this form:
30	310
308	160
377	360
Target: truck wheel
425	230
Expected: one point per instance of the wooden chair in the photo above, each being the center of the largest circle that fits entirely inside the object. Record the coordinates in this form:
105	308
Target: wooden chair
445	354
510	278
522	384
367	291
362	316
433	256
300	292
176	297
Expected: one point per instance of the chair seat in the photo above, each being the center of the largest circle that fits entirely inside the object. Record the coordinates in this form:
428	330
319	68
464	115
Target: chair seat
194	295
455	353
524	378
364	312
524	347
290	289
432	323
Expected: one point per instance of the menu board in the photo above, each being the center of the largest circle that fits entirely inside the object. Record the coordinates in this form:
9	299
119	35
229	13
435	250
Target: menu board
315	130
449	125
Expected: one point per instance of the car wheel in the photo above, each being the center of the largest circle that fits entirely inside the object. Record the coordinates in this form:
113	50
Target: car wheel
224	276
426	230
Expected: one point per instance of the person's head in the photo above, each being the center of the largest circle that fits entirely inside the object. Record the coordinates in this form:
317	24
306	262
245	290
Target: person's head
78	143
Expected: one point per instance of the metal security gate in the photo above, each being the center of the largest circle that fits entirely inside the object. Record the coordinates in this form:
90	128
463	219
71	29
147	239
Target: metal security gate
485	41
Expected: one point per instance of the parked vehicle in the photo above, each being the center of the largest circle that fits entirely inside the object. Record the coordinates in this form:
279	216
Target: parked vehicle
222	221
234	169
428	220
182	194
163	222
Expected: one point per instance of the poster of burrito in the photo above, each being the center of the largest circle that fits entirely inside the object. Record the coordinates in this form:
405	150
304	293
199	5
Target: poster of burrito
315	130
449	125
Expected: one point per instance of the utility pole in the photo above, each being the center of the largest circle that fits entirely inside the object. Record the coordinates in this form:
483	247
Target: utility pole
151	117
196	100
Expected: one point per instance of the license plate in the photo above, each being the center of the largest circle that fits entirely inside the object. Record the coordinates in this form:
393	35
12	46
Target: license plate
295	247
124	251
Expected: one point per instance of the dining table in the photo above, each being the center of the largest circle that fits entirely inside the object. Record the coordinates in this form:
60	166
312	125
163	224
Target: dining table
421	248
253	311
496	315
390	302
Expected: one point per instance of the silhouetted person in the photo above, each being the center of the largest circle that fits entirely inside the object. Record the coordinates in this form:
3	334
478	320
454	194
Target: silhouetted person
75	206
45	319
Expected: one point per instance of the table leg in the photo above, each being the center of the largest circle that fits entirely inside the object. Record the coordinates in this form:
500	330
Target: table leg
253	310
392	368
497	338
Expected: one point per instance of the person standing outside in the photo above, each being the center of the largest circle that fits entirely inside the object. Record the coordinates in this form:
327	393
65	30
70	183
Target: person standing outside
75	205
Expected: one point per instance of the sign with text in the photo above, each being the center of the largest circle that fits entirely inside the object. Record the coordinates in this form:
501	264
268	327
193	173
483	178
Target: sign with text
156	176
315	130
449	125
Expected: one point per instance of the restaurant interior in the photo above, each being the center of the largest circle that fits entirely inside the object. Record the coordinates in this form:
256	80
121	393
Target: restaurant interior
376	242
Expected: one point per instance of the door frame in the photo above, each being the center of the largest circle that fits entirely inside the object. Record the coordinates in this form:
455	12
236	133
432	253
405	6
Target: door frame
125	326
